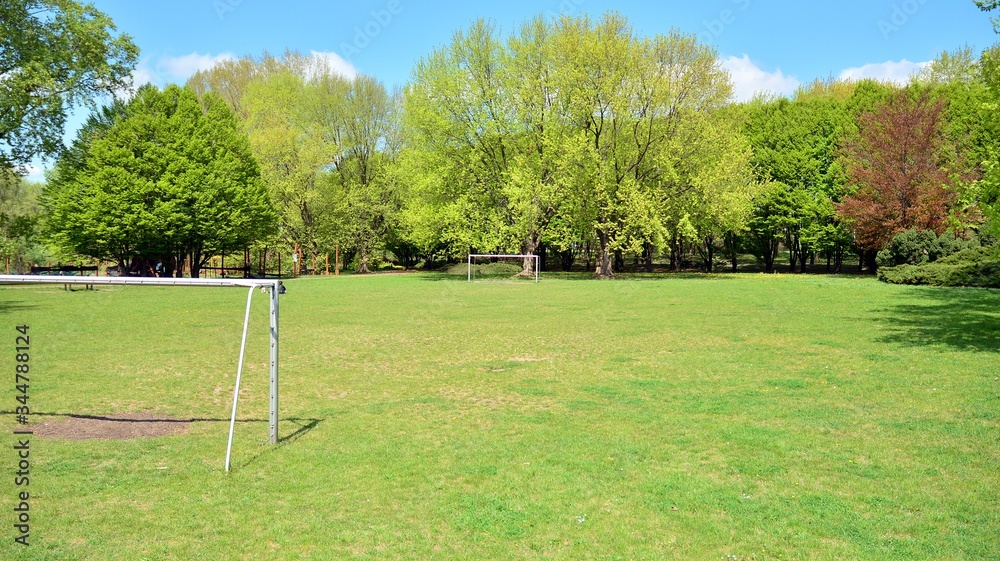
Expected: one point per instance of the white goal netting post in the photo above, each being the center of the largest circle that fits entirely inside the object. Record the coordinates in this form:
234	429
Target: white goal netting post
273	287
473	256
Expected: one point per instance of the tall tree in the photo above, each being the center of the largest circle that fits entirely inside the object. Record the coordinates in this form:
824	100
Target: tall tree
903	170
289	123
363	201
485	105
988	196
54	55
165	179
630	96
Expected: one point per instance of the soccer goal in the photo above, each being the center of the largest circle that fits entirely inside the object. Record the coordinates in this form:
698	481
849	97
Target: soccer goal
272	287
499	267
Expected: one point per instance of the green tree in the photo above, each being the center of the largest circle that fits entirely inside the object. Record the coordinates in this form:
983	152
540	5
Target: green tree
363	202
629	96
481	115
289	123
166	179
794	144
20	219
987	6
54	55
988	189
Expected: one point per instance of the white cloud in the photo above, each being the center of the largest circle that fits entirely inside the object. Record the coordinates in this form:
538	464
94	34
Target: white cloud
182	67
749	79
35	173
336	64
162	70
889	71
165	69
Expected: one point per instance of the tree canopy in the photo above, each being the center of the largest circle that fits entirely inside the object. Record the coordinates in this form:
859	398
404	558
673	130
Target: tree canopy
54	55
164	179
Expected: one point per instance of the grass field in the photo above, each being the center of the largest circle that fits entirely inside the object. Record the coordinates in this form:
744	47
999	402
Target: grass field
690	417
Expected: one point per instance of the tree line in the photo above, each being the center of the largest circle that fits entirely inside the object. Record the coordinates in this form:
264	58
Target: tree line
573	137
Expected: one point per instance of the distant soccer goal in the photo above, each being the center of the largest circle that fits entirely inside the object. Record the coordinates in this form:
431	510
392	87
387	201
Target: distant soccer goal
499	267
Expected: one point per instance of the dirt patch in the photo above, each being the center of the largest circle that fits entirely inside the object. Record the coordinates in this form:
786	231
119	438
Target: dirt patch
117	426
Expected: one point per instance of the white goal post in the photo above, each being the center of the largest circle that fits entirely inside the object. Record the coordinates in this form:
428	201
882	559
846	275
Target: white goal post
273	287
502	256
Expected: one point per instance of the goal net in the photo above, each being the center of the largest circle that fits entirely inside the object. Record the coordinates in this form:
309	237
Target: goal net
502	268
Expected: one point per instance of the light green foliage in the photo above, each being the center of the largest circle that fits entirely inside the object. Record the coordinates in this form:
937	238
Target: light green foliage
989	5
54	55
486	109
288	124
988	189
20	217
326	146
572	129
166	178
714	184
631	96
363	202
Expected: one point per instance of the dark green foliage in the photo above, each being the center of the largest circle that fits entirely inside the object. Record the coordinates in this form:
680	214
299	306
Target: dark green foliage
979	267
159	180
914	247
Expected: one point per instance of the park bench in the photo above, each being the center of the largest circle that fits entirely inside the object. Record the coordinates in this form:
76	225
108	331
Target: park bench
66	270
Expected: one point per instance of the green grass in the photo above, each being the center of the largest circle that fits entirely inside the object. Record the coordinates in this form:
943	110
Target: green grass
691	417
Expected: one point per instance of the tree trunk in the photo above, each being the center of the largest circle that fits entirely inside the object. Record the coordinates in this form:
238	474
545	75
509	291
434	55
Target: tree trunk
870	261
604	257
770	253
647	251
363	259
528	248
195	264
711	255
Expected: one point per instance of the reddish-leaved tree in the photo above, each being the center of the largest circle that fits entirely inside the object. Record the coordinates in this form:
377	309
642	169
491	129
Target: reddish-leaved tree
903	170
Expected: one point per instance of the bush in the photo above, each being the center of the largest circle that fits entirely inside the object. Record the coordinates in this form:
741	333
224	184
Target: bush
971	267
914	247
911	247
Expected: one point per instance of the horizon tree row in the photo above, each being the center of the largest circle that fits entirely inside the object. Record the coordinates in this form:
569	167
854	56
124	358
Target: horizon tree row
569	135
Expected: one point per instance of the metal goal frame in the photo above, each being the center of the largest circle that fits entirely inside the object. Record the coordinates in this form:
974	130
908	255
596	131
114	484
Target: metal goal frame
273	287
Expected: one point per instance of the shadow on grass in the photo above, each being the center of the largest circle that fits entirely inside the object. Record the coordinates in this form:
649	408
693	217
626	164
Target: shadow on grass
15	306
303	425
962	318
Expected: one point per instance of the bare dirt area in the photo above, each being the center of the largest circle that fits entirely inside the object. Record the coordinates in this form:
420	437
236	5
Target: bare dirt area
115	426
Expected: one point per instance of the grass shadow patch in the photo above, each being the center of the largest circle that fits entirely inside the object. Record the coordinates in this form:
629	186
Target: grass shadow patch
960	318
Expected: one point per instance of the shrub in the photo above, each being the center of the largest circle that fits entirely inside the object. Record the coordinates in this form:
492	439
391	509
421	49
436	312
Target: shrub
910	247
978	266
913	247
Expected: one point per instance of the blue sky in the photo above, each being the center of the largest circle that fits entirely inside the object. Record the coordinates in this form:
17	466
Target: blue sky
767	45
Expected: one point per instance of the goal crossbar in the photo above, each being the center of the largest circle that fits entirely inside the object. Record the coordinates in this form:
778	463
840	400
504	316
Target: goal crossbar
273	287
500	255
